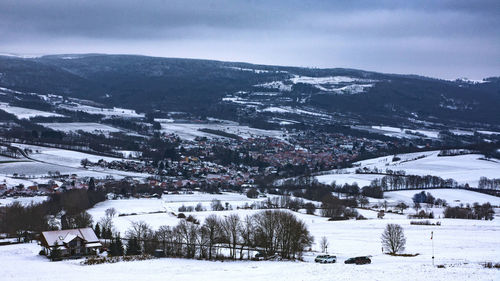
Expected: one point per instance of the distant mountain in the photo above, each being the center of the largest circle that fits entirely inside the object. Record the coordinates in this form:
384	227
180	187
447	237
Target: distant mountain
209	87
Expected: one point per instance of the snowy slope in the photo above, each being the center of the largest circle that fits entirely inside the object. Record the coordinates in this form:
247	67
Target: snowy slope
382	268
462	168
26	113
76	126
453	197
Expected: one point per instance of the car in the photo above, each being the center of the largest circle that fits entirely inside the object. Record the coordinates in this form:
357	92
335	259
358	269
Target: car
325	259
358	260
259	256
320	258
330	259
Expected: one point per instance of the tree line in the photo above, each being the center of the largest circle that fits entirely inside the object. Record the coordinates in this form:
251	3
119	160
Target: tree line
486	183
23	221
476	211
402	182
269	232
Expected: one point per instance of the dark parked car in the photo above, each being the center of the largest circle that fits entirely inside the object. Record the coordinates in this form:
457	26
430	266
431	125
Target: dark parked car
359	260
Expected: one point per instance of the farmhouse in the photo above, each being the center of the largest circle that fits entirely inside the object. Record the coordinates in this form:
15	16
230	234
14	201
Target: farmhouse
71	242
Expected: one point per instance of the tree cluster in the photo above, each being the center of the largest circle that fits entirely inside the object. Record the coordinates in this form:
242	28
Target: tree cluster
477	212
269	232
403	182
486	183
18	220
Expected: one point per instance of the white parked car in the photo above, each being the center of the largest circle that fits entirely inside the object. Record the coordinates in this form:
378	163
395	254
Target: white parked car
325	259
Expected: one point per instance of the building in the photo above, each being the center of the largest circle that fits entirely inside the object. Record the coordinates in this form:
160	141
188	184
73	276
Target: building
71	242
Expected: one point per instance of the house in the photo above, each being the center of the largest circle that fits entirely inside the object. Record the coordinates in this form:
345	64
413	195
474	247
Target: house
71	242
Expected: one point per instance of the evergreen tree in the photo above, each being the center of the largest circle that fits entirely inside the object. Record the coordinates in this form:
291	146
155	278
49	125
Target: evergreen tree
116	247
133	247
112	251
92	184
97	230
56	252
119	246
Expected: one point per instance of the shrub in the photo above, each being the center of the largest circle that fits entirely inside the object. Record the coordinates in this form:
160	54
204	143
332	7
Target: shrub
192	219
252	193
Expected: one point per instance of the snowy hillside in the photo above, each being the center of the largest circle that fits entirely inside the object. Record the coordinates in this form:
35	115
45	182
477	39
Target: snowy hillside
453	248
26	113
77	126
454	197
462	168
333	84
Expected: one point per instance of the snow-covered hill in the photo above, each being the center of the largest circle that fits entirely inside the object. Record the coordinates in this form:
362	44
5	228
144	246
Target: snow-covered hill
462	168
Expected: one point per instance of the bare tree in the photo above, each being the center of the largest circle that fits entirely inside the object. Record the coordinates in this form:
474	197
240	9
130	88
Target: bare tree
231	228
188	232
323	244
402	206
417	206
212	229
110	212
141	231
385	205
393	238
216	205
363	201
164	234
247	234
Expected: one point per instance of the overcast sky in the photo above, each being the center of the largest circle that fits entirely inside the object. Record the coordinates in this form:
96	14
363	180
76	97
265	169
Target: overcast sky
446	39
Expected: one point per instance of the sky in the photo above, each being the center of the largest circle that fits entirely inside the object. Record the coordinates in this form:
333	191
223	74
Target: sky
444	39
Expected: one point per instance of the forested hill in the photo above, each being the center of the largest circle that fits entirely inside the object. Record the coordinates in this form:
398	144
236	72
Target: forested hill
201	86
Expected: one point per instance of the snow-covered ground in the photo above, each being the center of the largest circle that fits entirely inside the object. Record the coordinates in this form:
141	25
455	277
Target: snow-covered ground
360	179
402	132
26	113
23	200
168	203
33	169
334	84
22	263
190	131
61	156
115	111
460	245
454	247
55	160
292	110
86	127
464	169
454	197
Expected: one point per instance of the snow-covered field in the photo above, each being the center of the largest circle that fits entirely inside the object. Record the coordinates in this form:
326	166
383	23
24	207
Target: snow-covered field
61	156
334	84
401	132
22	262
55	160
291	110
190	131
32	168
460	245
26	113
115	111
76	126
454	197
462	168
168	203
23	200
